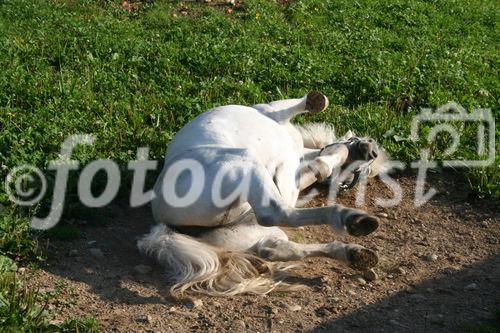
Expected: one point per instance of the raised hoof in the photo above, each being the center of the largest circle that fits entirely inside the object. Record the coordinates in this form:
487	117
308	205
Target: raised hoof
361	258
316	102
362	225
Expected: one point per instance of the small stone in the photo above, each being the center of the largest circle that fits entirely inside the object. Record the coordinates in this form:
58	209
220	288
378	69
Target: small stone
382	214
194	303
400	271
145	319
96	252
361	280
22	270
214	303
73	252
174	310
370	275
323	312
471	287
351	292
239	324
293	307
142	269
431	257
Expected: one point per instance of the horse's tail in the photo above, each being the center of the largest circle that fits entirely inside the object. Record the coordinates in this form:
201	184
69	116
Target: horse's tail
199	267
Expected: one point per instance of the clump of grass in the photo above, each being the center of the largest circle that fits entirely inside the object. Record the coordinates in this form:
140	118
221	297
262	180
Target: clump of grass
19	307
298	236
24	309
16	238
77	324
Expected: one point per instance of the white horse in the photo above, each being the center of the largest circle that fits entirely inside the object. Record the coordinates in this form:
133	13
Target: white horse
228	241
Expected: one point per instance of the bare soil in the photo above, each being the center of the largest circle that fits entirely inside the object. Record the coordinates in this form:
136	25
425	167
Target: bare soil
439	271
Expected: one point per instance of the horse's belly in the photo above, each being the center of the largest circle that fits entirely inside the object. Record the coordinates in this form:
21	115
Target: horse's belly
234	136
197	215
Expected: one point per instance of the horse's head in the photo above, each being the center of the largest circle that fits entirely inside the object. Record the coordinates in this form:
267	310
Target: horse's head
365	159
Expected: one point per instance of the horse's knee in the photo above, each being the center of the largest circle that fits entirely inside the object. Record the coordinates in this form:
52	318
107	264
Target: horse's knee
272	215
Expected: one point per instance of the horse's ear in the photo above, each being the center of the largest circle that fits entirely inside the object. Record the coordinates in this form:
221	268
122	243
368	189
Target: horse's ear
380	164
348	135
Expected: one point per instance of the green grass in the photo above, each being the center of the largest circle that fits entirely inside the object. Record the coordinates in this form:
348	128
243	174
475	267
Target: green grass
16	239
134	79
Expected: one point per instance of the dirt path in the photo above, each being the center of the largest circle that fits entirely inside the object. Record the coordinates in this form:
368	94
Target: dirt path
439	269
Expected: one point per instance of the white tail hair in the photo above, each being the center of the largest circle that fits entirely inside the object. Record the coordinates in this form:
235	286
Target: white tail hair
199	267
318	135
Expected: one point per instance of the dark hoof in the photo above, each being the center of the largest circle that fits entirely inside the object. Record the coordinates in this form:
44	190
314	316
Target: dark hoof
361	259
316	102
362	225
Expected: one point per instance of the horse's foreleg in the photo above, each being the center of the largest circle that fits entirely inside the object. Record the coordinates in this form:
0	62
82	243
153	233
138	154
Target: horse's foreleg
316	167
272	210
285	109
356	256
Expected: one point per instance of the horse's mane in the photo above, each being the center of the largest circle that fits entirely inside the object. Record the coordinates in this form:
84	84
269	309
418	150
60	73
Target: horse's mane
317	135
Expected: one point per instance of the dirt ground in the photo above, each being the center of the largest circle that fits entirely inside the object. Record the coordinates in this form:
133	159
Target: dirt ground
439	270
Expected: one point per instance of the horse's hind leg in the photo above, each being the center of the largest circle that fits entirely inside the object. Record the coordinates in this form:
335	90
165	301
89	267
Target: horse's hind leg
355	256
285	109
241	235
271	243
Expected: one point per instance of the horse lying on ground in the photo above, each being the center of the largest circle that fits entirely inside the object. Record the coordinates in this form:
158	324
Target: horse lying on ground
232	177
